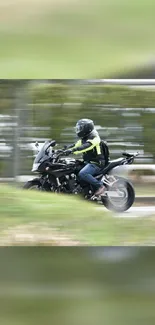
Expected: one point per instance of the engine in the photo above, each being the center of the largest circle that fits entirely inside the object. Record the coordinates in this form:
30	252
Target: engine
68	183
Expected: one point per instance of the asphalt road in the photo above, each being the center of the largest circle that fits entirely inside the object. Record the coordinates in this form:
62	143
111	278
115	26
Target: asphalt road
135	212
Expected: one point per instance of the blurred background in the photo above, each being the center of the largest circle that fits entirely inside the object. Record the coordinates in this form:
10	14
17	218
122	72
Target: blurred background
72	286
122	110
68	39
77	38
38	110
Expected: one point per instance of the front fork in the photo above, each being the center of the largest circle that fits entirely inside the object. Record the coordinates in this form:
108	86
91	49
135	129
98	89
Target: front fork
44	180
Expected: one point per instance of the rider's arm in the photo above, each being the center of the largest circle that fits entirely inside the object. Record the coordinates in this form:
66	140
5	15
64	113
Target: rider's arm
75	145
89	145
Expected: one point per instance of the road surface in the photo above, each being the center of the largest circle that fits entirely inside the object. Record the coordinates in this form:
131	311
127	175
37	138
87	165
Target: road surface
135	212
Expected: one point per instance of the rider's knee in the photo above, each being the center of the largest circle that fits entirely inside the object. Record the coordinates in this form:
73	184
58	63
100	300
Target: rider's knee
81	174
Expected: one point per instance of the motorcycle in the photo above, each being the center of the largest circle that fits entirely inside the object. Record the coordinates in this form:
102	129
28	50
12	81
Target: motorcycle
59	174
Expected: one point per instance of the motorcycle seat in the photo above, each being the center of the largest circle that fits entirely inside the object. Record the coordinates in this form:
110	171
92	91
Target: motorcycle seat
111	164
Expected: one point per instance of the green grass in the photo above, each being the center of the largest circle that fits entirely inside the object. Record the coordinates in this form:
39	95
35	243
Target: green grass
41	218
68	311
77	286
78	40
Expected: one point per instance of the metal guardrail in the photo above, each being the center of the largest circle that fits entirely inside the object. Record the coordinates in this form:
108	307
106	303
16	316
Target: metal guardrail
25	178
130	82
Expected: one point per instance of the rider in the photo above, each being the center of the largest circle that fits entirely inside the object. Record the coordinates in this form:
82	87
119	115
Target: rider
89	145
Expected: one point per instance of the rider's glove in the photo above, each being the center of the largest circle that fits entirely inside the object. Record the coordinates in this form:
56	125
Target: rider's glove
68	152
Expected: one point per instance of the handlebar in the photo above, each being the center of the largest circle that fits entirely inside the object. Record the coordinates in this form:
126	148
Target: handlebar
60	153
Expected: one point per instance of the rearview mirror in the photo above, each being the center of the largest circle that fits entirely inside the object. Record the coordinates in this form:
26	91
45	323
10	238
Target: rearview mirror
53	143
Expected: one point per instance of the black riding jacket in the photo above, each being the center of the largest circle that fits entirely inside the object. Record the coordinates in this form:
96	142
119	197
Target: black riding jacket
90	147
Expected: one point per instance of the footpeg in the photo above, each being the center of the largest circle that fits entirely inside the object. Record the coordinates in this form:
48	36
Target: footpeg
94	198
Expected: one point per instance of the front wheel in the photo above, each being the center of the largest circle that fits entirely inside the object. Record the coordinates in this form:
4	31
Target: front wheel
33	184
120	197
36	184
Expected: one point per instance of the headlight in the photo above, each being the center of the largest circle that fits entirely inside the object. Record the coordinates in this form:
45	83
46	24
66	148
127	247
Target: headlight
35	167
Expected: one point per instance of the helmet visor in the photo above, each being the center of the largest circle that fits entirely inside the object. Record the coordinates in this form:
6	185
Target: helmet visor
79	128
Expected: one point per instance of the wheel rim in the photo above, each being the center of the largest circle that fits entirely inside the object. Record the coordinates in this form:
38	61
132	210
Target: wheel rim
119	201
34	188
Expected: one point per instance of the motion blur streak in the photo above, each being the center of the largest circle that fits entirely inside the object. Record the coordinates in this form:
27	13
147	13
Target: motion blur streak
41	110
75	38
75	286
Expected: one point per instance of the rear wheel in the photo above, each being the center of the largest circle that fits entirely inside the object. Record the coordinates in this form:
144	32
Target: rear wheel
120	197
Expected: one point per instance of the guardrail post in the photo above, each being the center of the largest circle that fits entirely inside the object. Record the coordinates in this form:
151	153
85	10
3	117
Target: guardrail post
20	102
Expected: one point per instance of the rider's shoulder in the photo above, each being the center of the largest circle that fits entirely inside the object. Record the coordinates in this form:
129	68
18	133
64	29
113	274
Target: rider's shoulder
93	135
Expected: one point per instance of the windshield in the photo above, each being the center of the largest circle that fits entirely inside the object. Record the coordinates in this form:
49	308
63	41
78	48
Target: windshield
42	155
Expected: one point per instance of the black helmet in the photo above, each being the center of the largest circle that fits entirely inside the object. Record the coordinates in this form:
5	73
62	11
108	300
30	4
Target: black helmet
84	127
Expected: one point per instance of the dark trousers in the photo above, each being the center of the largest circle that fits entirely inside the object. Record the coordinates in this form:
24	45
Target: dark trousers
86	174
